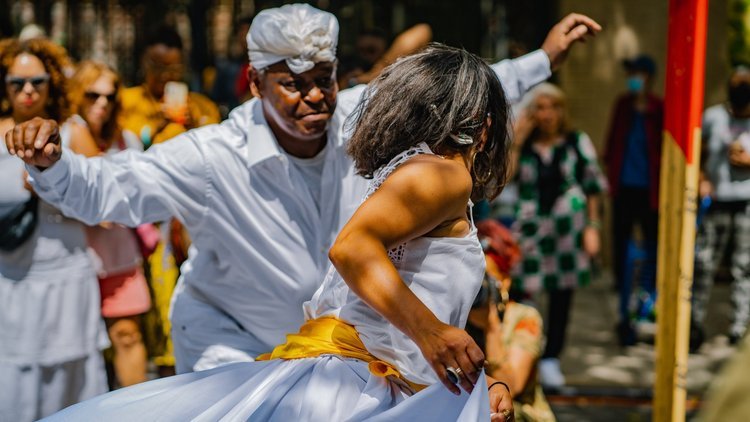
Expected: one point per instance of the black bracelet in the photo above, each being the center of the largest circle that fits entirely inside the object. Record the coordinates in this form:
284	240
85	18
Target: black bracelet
496	383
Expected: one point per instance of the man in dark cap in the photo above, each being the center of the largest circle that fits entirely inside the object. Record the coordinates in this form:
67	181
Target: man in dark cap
633	157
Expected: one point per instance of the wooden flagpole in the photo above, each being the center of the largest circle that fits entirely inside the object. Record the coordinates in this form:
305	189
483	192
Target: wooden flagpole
678	202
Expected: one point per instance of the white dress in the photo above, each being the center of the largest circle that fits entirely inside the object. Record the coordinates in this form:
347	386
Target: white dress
445	273
51	331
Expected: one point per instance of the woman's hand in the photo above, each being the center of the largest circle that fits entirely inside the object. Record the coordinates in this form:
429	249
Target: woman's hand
501	402
591	241
445	346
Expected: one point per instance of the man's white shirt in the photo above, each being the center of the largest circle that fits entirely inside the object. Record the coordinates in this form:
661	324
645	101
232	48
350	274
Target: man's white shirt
260	244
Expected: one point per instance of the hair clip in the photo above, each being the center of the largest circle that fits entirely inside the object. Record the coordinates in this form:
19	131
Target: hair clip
462	138
433	109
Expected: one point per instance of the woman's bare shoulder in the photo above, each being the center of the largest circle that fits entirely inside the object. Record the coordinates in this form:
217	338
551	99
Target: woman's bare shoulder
431	177
81	139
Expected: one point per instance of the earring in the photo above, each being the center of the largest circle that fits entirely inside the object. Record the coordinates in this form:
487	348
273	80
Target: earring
481	167
4	106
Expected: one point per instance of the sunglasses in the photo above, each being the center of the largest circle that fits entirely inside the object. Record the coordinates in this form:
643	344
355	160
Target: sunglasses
94	96
17	83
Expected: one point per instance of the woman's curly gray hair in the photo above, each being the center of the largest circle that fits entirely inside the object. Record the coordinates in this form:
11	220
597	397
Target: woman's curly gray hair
443	96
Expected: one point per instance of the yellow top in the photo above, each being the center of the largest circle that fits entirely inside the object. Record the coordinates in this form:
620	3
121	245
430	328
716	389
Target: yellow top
332	336
142	114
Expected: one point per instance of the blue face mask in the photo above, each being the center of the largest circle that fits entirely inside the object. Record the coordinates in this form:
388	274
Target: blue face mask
635	84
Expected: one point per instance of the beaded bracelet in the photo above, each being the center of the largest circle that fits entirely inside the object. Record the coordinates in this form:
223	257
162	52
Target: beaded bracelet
496	383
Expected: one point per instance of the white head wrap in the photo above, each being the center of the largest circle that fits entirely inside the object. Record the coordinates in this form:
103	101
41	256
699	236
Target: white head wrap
298	33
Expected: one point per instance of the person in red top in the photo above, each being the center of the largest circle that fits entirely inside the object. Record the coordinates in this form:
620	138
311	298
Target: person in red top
633	159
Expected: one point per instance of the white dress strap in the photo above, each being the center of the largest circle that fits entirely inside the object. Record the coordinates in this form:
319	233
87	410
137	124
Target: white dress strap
383	172
470	207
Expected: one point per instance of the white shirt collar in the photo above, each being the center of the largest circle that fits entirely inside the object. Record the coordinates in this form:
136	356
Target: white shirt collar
261	143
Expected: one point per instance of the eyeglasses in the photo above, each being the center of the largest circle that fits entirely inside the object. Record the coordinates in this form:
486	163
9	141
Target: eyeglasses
17	83
94	96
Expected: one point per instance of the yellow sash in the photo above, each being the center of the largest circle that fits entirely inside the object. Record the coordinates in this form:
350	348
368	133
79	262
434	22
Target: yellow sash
332	336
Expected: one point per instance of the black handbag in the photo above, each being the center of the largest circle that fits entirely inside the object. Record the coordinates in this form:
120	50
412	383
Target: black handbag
18	225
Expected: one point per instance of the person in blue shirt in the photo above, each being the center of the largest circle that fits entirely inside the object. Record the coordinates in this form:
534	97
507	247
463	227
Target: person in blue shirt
633	157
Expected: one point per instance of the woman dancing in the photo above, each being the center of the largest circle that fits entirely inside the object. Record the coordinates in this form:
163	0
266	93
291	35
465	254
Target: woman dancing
383	338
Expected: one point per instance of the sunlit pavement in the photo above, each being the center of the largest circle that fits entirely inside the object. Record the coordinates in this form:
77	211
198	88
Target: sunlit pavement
608	383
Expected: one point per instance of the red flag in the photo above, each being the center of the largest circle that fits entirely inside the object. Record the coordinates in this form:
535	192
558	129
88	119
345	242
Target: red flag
686	54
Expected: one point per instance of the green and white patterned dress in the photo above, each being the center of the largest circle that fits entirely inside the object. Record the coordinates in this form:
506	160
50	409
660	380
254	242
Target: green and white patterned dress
551	213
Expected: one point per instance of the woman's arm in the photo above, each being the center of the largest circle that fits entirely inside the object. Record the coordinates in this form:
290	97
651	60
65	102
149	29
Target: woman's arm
417	198
593	209
517	364
591	238
514	363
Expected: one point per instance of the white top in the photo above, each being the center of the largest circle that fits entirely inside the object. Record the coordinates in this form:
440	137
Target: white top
55	238
259	245
444	272
720	130
49	298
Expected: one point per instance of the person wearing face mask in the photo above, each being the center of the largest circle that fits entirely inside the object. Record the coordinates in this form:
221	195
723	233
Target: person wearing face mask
633	157
725	178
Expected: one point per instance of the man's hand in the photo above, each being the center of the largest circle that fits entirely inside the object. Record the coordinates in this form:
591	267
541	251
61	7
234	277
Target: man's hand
562	36
36	142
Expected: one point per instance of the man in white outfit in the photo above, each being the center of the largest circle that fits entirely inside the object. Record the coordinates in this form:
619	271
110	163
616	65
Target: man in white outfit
262	194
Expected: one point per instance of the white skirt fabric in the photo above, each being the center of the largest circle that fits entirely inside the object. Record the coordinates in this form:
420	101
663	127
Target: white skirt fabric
327	388
33	391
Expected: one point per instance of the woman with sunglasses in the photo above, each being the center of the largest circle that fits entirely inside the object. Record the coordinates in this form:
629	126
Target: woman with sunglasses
51	332
94	95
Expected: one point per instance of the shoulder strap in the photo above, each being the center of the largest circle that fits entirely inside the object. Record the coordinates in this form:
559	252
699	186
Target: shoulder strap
382	173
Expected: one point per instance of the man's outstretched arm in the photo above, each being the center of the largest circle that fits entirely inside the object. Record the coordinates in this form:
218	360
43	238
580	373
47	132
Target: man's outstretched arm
129	188
521	74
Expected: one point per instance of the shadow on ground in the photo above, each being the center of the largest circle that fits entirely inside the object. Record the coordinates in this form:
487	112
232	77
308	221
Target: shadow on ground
606	382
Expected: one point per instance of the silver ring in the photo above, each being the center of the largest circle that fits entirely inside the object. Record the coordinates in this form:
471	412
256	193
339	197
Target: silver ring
454	374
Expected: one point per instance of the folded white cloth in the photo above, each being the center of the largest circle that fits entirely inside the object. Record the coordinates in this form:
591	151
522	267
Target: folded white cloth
297	33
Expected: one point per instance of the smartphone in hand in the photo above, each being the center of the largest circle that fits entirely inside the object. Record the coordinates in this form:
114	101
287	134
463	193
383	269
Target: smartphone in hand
175	101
